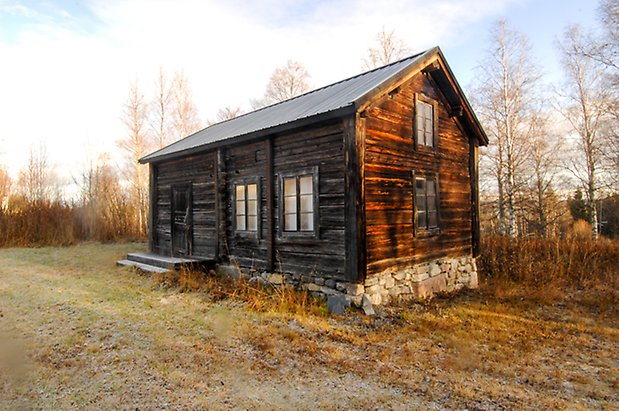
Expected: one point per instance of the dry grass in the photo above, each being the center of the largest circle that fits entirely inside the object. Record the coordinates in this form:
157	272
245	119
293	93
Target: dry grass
44	223
78	332
256	296
550	270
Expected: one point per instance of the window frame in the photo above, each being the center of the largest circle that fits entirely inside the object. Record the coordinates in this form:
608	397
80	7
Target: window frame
313	172
246	182
420	98
427	230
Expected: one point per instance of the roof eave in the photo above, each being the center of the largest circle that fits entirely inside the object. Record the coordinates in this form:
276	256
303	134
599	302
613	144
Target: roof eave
470	115
299	123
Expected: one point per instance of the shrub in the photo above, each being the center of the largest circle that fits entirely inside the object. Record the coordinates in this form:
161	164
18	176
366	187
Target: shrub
47	223
570	263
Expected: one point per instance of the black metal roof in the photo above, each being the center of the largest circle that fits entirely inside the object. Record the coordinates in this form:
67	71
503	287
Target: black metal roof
334	100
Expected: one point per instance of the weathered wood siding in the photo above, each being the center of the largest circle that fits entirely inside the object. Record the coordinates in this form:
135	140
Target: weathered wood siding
245	164
390	158
199	171
321	147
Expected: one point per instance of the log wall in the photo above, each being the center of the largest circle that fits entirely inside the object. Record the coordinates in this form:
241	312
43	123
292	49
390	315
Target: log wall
213	176
323	148
390	157
198	170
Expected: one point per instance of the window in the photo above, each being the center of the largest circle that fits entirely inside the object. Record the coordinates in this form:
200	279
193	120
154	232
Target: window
426	203
424	123
246	207
298	211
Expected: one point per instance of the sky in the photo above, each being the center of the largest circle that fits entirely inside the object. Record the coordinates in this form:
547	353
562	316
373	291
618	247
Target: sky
66	66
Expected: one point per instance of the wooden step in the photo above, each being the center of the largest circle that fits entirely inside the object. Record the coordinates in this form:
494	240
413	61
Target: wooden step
170	263
144	267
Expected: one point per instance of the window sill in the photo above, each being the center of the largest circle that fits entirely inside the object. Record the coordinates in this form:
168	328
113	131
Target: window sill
246	235
428	232
298	236
429	149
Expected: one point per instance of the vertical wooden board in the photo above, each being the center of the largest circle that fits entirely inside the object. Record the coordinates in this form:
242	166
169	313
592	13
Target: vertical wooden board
218	202
352	203
152	208
474	176
269	201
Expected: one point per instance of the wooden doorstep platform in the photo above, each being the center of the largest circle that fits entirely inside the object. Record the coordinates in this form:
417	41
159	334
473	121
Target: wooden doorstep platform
155	263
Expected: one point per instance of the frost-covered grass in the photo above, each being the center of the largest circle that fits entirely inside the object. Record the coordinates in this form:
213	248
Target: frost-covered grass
78	332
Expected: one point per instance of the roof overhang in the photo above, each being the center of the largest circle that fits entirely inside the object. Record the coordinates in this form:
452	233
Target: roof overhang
243	138
432	63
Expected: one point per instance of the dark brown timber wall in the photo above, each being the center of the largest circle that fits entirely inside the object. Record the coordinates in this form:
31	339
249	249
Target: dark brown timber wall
199	171
246	164
390	160
319	149
213	176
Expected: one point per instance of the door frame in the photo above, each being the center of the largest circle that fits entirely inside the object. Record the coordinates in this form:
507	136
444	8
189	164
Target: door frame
188	224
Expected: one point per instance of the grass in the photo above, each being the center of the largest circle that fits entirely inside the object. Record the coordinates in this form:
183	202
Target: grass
78	332
552	270
26	223
255	296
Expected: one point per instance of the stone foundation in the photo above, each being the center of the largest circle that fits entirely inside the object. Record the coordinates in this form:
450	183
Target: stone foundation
419	281
422	280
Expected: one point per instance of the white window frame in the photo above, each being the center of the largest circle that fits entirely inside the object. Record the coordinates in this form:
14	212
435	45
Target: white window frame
425	130
298	230
247	213
427	227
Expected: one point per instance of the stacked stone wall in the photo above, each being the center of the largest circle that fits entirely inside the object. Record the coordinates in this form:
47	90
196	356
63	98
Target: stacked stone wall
420	281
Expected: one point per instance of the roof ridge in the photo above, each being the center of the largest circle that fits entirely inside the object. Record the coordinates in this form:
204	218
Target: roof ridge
320	88
267	117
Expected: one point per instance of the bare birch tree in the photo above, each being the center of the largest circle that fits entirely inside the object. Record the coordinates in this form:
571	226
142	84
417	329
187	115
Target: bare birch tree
162	109
37	181
506	98
585	105
105	210
136	144
6	182
388	48
287	82
542	167
227	113
605	49
185	113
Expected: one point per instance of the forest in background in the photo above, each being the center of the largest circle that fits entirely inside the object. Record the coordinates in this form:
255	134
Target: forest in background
551	169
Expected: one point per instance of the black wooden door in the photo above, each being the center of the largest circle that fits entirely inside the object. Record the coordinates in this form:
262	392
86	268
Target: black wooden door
182	230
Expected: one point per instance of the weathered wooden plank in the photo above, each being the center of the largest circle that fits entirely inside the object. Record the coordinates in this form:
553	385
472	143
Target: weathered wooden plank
152	209
270	196
196	169
390	157
473	170
352	185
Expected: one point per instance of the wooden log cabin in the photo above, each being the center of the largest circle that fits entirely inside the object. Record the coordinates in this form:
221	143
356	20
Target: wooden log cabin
364	187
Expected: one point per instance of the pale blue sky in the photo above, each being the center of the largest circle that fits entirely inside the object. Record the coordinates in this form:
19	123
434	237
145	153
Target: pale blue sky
66	65
542	21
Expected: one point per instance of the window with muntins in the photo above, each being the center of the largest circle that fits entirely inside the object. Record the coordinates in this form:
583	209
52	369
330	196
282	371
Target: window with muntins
298	196
246	207
426	202
424	124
